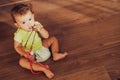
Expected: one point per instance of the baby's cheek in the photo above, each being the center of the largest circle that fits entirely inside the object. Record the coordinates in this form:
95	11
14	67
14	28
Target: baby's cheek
32	21
26	27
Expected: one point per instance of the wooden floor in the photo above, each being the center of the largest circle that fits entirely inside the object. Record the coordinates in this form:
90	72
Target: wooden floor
88	29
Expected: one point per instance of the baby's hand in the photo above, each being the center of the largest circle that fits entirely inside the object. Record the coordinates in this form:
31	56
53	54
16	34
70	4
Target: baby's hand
31	53
37	26
31	57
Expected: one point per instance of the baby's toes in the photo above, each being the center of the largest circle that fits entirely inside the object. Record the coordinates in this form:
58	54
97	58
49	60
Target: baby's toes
50	75
65	53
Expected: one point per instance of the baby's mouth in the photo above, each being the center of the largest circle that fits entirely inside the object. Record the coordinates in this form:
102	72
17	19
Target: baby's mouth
31	27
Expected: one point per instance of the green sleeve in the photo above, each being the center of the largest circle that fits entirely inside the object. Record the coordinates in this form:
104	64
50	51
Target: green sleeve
18	36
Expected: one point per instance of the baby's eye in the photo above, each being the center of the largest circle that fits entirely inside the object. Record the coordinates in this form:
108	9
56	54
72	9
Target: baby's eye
23	22
30	19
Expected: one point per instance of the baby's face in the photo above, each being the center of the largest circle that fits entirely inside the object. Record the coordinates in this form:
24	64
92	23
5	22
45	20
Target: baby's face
25	21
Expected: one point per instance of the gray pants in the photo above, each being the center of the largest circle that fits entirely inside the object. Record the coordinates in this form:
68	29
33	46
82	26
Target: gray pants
42	54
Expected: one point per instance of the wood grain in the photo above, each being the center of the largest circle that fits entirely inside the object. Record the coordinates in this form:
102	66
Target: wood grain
88	30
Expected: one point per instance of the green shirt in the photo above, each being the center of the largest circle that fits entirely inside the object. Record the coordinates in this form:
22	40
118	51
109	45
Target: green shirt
21	36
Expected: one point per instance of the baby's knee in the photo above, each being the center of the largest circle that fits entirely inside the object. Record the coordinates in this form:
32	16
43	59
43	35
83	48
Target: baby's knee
53	38
21	61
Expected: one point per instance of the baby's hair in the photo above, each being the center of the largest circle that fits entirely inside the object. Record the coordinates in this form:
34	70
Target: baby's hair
21	9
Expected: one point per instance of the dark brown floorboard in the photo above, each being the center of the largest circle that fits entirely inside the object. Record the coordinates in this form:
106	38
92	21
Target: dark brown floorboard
88	30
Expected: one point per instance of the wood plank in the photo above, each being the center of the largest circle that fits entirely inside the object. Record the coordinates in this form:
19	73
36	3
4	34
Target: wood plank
98	73
88	30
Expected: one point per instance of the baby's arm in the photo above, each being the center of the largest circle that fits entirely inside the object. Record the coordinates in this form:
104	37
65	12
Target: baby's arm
42	31
21	50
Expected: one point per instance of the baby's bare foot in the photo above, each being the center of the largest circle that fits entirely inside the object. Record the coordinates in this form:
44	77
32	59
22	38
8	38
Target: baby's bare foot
59	56
49	74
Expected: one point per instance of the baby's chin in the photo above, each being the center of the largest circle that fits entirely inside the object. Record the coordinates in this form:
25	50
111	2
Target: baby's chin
29	29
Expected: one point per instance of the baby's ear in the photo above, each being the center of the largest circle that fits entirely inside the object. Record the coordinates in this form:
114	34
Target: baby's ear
16	25
33	15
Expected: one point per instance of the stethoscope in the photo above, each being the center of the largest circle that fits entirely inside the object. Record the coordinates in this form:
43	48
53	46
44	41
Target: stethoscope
28	53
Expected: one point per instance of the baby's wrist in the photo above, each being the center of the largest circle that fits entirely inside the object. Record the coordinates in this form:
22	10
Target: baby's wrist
39	29
26	54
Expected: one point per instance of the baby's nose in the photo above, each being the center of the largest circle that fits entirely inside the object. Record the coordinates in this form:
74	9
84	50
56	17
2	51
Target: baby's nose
29	24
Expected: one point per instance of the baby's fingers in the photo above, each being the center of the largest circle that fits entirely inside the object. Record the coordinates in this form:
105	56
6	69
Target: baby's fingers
35	28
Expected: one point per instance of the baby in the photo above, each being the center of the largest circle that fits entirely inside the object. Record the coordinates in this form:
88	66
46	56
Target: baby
28	38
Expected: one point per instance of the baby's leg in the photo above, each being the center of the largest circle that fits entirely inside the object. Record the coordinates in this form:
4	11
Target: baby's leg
36	67
53	43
